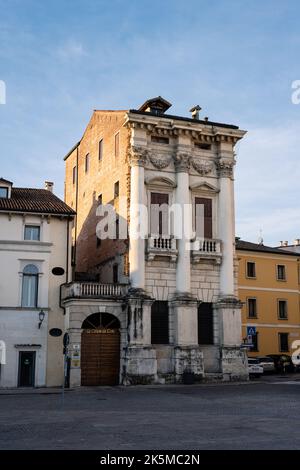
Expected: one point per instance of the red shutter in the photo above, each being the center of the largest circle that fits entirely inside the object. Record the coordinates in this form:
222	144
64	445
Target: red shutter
207	203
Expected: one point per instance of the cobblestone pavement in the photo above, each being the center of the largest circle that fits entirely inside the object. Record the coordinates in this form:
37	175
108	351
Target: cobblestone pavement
261	414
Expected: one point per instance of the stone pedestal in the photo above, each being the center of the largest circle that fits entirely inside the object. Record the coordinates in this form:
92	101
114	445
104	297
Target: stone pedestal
139	364
233	358
188	359
187	354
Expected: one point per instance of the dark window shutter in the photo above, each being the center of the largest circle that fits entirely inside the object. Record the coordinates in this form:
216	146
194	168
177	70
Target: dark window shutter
160	322
207	203
159	199
205	323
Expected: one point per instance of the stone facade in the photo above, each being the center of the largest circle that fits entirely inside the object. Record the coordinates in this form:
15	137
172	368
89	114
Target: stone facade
185	161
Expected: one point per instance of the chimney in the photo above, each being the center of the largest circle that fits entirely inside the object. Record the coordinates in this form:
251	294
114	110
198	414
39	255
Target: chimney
49	186
297	242
195	111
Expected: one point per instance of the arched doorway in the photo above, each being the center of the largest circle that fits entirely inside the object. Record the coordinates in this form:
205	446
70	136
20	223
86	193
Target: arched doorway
100	350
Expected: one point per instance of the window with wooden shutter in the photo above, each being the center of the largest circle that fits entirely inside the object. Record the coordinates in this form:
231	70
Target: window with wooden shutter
159	214
160	322
206	213
205	323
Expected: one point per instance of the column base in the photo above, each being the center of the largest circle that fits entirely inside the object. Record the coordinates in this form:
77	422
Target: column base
188	359
140	365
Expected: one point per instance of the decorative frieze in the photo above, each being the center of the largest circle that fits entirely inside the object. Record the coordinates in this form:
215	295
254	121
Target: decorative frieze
159	163
202	167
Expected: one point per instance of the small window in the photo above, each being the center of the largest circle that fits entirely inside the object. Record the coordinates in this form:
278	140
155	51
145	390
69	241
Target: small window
281	274
203	146
74	174
283	342
282	310
159	140
252	308
255	343
115	274
3	192
160	322
117	144
98	242
203	217
30	286
87	163
251	269
100	199
116	189
100	150
32	232
205	323
117	228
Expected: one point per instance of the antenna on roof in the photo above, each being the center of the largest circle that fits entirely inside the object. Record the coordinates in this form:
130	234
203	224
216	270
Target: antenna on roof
260	238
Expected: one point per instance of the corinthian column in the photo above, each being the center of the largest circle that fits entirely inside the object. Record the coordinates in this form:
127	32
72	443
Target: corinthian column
226	226
137	161
184	224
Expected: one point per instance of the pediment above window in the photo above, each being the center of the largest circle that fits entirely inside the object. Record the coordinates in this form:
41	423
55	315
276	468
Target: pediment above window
204	186
160	181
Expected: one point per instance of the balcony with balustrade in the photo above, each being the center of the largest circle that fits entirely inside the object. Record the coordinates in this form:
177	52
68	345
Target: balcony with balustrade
161	246
206	249
92	290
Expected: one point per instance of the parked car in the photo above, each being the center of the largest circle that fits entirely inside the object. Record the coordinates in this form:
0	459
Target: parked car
283	363
254	368
267	363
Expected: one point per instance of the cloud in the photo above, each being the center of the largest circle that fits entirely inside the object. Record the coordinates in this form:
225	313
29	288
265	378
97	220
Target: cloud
71	49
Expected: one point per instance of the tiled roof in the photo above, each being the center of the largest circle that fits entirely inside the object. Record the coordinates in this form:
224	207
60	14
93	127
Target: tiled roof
35	201
249	246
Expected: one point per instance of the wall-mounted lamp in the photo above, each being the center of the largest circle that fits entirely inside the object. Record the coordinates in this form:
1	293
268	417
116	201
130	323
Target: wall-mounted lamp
41	317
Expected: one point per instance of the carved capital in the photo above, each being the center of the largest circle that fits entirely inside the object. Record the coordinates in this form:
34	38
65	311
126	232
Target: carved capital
138	156
182	161
159	163
201	166
225	168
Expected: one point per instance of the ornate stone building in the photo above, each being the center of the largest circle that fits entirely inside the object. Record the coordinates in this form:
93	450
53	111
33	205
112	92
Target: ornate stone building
147	309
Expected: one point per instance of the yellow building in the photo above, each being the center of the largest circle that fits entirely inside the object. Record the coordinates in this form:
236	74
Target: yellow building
268	284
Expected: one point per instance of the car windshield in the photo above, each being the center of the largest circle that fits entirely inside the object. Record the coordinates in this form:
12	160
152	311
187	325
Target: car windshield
266	359
253	361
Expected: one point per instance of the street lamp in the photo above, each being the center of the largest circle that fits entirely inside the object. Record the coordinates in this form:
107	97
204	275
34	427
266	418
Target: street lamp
41	317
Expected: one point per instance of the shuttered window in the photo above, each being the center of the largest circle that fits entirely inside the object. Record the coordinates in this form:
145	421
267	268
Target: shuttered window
205	323
203	216
160	322
159	215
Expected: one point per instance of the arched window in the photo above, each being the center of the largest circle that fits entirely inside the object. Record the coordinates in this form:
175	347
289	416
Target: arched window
30	283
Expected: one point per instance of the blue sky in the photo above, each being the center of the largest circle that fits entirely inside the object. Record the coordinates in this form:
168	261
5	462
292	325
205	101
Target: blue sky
237	59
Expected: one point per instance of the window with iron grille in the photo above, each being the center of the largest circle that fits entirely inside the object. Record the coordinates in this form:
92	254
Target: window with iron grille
283	342
251	269
282	310
252	308
160	322
281	274
205	323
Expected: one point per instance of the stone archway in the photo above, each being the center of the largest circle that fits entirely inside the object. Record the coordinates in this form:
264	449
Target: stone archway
100	350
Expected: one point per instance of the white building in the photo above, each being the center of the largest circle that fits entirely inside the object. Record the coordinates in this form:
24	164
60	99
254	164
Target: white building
174	304
34	260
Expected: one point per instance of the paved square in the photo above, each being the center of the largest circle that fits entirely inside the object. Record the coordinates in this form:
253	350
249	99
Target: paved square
260	415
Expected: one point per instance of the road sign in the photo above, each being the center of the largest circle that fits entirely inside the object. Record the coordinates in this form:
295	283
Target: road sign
251	330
